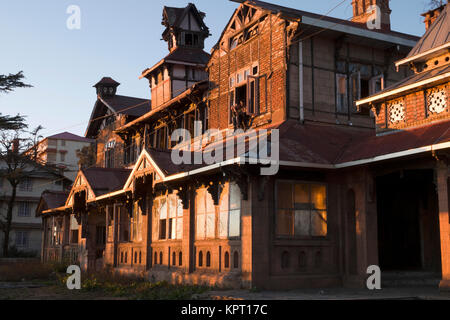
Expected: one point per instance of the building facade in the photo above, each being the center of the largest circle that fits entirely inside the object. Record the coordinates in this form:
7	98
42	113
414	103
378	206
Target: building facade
61	150
302	83
26	228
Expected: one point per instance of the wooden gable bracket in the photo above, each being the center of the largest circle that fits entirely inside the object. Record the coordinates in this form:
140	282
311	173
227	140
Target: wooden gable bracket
215	189
183	193
240	176
129	203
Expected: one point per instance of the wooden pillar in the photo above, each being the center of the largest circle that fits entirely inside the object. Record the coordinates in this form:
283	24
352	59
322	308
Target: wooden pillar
444	221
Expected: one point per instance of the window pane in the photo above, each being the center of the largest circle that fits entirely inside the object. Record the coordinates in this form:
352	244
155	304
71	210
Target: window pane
223	224
173	228
235	223
200	201
284	195
163	208
319	197
200	226
235	196
319	223
180	207
301	196
210	225
209	203
302	222
172	207
180	228
224	199
285	223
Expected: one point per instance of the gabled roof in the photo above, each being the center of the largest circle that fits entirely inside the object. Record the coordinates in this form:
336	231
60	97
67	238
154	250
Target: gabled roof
130	106
173	17
182	55
318	21
70	136
106	180
107	81
436	38
51	199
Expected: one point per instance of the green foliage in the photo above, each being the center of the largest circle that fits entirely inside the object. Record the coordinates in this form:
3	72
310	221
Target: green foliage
9	82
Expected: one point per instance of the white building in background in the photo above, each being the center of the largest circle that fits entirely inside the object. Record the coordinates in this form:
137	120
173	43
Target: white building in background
26	228
61	150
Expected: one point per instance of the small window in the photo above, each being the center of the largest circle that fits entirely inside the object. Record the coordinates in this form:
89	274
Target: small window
24	209
208	259
236	260
188	39
121	257
126	257
180	259
155	258
160	258
135	257
174	258
63	143
200	259
63	157
318	259
227	260
302	210
302	260
285	260
22	239
26	184
140	257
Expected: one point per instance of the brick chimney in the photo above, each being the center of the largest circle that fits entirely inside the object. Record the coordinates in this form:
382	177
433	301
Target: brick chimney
363	13
432	15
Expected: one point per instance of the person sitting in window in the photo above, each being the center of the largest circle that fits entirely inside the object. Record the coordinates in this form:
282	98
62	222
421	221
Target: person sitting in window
240	116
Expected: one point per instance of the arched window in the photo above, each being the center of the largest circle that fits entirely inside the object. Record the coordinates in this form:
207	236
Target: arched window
135	257
173	258
318	259
208	259
302	260
285	260
200	259
140	257
121	257
180	259
160	257
156	258
126	257
236	260
227	260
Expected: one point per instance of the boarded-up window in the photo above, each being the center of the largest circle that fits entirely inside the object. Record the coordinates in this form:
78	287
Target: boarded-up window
301	210
341	93
136	223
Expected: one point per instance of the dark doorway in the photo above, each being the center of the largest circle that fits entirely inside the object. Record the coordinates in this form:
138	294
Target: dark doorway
408	229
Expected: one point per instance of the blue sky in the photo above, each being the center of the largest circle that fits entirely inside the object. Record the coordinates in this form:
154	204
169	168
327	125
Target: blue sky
117	39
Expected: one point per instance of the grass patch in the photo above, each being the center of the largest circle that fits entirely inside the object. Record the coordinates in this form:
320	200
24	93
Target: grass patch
99	285
110	284
28	271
